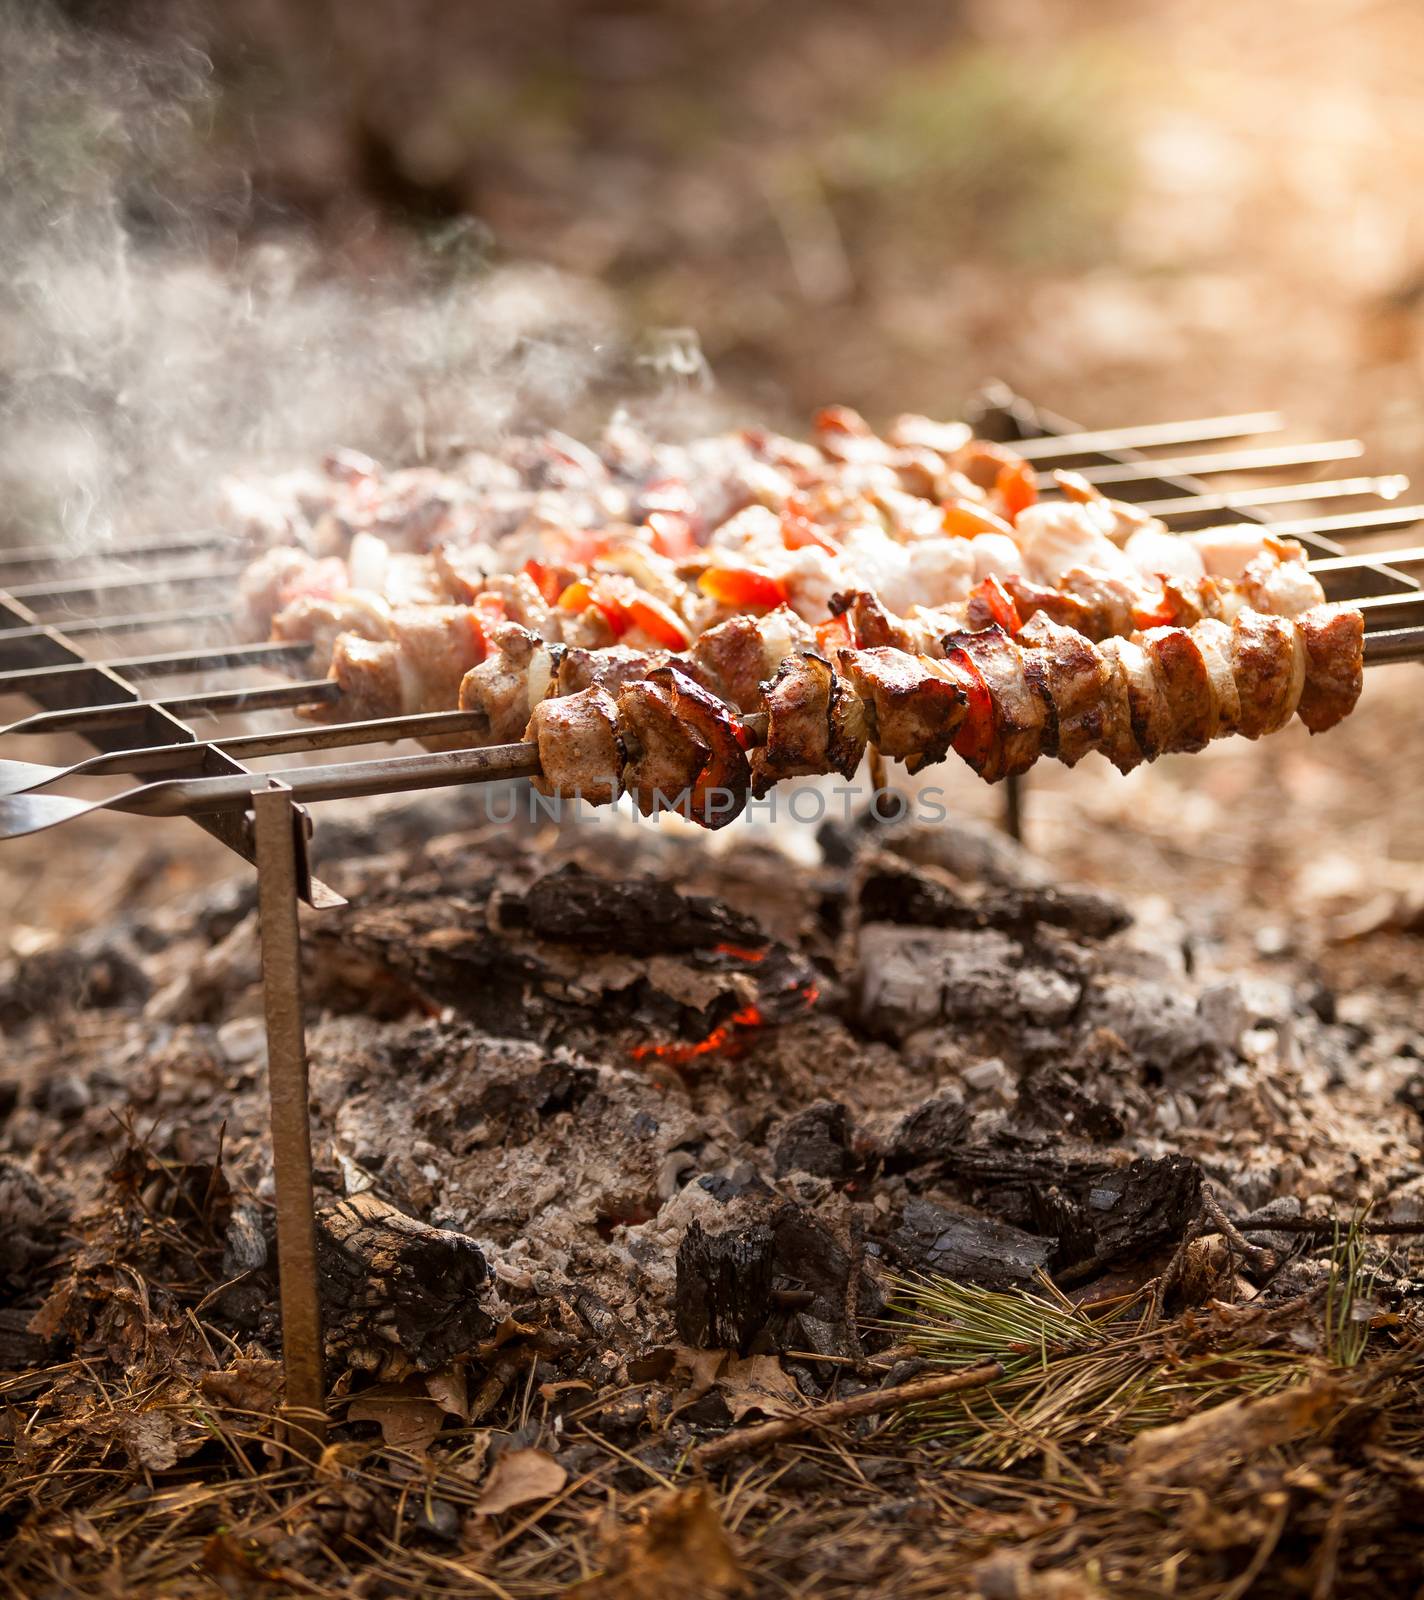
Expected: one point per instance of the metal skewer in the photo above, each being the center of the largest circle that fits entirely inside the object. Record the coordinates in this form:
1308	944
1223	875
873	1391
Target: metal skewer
50	589
1100	441
123	622
24	777
221	702
46	555
1389	487
172	664
1266	459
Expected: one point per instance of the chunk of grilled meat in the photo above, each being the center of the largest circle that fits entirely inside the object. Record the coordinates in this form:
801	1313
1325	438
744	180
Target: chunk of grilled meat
664	755
580	752
516	674
815	724
719	792
743	653
913	705
1018	712
1070	677
417	669
1334	665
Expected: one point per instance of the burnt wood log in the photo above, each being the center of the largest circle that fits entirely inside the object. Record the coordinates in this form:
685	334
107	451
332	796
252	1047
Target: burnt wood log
1097	1213
979	1250
635	916
723	1285
779	1281
390	1279
894	891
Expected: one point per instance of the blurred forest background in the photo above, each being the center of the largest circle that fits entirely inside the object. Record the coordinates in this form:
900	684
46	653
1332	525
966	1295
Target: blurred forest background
235	234
1131	208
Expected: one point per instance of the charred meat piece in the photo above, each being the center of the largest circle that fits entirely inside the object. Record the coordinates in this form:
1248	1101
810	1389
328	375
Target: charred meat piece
849	729
798	703
738	656
720	790
664	756
417	669
1268	663
913	707
1334	639
1037	599
1069	675
321	622
369	673
515	675
1117	738
1018	713
606	669
1183	687
579	748
1109	603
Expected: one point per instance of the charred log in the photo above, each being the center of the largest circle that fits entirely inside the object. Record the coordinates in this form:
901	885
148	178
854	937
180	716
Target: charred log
779	1282
894	891
636	916
390	1279
979	1250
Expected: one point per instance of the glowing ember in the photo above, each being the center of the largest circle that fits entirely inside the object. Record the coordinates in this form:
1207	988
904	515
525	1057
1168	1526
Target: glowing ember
740	951
719	1038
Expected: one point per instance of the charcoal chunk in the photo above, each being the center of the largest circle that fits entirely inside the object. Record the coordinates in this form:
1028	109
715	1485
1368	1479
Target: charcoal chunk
723	1285
778	1280
975	1250
926	1134
893	891
816	1140
386	1277
638	916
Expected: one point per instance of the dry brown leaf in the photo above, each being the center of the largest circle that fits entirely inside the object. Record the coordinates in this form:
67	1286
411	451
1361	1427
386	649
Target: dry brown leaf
519	1477
757	1383
407	1417
246	1385
681	1549
1207	1445
147	1438
449	1391
697	1369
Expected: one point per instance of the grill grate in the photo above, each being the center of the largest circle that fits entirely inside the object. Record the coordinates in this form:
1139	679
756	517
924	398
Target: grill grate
54	653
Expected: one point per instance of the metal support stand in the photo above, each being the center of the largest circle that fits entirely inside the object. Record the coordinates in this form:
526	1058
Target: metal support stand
1014	789
281	864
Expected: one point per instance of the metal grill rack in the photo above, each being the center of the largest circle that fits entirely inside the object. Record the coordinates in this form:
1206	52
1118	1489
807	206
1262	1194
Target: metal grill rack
62	647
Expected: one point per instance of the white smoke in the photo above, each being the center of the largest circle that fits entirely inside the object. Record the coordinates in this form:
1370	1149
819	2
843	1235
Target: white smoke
145	353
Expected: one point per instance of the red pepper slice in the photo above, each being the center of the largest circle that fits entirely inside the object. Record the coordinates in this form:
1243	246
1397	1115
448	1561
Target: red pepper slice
547	580
992	602
672	533
743	587
1016	487
657	620
975	739
834	634
965	518
798	531
1160	613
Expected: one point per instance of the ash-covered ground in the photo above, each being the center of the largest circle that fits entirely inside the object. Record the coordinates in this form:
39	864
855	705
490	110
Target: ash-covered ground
623	1141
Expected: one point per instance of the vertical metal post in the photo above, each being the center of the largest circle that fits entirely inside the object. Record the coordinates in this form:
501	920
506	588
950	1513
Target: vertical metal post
1015	787
281	855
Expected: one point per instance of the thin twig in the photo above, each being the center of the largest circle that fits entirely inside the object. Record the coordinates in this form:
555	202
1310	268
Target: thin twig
1324	1227
861	1405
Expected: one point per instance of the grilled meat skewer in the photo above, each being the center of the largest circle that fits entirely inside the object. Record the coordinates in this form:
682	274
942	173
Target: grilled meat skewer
1000	703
